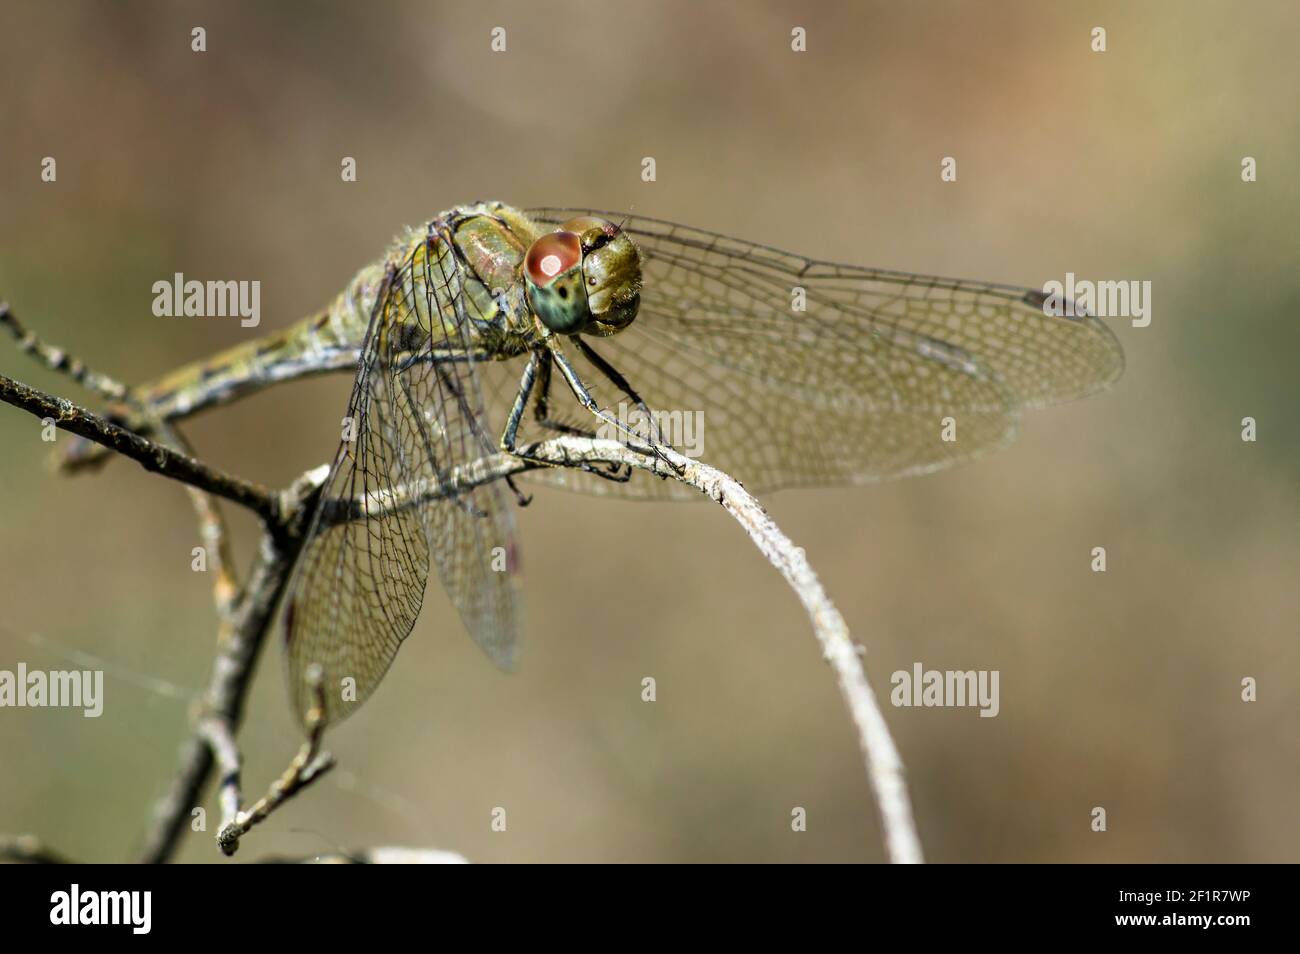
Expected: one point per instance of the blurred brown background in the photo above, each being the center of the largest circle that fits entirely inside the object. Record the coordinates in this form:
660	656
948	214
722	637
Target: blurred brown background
1118	689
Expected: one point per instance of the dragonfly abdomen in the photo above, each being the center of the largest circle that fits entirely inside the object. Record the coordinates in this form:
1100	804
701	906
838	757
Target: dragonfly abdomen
324	342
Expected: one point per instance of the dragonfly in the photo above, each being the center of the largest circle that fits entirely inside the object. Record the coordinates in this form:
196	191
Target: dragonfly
467	335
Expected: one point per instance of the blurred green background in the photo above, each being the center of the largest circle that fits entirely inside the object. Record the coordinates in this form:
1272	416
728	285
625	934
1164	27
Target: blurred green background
1118	689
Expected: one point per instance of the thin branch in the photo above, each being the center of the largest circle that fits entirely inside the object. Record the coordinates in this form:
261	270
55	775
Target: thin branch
152	456
308	765
56	359
219	736
216	543
212	531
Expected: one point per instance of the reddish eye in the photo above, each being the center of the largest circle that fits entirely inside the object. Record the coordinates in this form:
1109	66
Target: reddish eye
552	255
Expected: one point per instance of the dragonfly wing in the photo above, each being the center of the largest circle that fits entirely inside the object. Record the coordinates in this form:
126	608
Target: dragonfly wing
360	582
811	373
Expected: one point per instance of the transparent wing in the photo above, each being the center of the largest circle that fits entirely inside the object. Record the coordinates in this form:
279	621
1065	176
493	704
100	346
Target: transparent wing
847	382
389	508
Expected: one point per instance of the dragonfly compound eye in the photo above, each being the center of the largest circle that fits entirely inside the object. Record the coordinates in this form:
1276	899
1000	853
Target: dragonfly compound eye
556	287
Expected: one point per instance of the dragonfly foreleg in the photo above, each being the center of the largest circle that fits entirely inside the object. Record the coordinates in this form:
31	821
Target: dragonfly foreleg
620	382
584	397
541	412
539	362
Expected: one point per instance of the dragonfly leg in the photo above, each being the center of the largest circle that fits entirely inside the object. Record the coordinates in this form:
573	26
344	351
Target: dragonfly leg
620	382
584	397
521	498
540	360
526	383
541	412
542	404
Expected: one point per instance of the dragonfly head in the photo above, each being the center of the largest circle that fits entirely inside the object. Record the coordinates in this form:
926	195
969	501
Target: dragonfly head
584	277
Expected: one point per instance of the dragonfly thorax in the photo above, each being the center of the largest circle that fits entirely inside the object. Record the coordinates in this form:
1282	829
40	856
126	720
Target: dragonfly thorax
585	277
